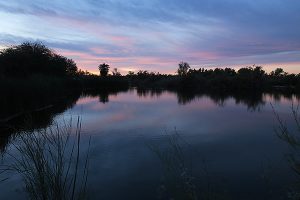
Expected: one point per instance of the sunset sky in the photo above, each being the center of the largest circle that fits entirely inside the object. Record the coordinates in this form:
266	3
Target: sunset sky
157	34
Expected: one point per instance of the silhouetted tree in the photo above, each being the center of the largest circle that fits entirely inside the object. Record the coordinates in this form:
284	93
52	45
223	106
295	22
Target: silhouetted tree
84	73
183	68
103	68
71	68
130	73
115	72
230	72
34	58
142	73
278	72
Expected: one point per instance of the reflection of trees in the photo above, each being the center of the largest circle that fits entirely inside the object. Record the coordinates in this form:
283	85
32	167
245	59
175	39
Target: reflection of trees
277	96
32	119
30	116
185	97
103	98
37	112
252	100
141	92
103	94
219	98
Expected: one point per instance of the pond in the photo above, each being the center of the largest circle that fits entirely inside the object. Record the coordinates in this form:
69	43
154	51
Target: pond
228	144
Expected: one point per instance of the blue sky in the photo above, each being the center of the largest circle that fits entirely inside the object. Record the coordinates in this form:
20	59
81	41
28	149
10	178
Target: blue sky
157	34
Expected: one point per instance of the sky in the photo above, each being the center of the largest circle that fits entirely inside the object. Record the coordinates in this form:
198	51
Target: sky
156	35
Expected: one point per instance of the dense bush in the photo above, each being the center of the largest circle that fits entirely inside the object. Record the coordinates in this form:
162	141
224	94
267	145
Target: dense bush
34	58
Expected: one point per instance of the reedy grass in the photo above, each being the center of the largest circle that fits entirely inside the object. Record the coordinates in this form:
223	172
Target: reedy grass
49	162
179	183
179	180
292	138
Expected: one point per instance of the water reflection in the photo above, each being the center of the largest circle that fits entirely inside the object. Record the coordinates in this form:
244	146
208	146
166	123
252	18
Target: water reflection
141	92
39	113
31	118
103	95
233	141
253	100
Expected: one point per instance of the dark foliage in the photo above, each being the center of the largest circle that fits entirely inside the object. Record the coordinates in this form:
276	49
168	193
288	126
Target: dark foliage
34	58
115	72
103	68
183	68
219	79
30	69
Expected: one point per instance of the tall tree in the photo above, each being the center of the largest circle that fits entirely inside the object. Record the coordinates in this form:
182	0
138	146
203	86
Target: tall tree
278	72
115	72
103	68
183	68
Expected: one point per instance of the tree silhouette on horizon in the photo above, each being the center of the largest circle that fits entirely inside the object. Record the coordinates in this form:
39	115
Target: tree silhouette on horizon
183	68
115	72
103	68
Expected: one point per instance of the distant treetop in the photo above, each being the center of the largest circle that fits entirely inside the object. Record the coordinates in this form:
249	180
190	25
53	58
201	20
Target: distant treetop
103	68
183	68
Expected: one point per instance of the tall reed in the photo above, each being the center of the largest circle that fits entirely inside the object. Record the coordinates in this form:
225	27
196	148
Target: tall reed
292	138
179	183
49	161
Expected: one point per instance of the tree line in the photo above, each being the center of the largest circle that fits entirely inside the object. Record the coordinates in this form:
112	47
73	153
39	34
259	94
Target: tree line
28	59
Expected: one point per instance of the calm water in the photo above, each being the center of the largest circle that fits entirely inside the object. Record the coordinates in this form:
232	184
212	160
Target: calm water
229	144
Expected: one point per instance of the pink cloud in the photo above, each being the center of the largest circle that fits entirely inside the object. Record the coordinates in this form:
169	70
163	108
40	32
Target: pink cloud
90	62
